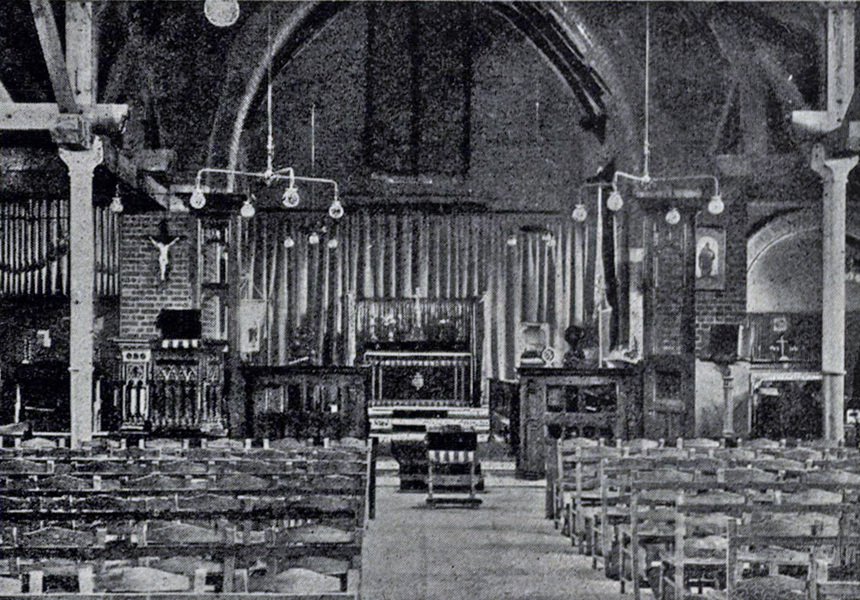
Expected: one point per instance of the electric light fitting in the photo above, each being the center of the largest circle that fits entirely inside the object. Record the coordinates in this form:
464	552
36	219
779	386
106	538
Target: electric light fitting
198	198
716	206
673	217
615	202
335	211
247	211
116	203
291	197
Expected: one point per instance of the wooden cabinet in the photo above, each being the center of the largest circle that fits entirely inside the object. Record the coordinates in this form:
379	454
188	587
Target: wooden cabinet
555	403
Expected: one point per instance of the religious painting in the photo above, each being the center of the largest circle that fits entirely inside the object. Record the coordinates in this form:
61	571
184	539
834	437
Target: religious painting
710	258
252	316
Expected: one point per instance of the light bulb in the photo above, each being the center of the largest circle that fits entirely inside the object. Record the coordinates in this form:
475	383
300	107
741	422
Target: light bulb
716	206
198	198
291	197
314	239
332	243
512	240
289	242
116	204
247	210
615	202
221	13
673	217
335	211
579	213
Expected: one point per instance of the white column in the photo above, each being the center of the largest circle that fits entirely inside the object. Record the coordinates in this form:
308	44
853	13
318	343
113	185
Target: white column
82	288
834	173
729	403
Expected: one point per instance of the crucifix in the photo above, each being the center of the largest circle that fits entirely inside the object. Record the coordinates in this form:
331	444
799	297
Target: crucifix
782	346
74	121
163	242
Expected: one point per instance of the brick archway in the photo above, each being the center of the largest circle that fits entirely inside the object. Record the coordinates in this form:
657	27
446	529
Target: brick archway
558	33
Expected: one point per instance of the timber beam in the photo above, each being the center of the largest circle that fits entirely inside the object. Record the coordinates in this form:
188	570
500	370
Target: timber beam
840	73
55	60
41	116
761	167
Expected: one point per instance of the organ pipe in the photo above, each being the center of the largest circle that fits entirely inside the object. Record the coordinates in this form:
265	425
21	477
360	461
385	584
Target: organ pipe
34	249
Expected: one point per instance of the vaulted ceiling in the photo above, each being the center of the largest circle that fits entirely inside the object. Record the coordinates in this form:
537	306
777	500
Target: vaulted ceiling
724	78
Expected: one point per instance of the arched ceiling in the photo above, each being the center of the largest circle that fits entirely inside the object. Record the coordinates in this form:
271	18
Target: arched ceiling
192	85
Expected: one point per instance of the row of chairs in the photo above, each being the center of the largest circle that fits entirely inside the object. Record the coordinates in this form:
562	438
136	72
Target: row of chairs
199	521
575	459
648	508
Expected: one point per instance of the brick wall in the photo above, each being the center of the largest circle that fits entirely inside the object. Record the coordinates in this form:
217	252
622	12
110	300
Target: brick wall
728	305
142	292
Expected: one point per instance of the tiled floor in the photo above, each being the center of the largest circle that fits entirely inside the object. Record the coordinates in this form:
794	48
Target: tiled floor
505	549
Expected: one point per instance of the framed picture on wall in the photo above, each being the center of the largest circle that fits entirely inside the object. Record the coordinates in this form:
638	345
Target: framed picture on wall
710	258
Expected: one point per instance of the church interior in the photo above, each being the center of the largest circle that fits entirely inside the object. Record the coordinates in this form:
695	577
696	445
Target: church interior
273	271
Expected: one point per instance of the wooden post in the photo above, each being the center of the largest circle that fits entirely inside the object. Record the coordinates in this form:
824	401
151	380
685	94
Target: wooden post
81	164
729	403
236	396
834	172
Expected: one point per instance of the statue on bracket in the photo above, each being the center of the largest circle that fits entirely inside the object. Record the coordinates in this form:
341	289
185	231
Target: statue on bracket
163	242
574	336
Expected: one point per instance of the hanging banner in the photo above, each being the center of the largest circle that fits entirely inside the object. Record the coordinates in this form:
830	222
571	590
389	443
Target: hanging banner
252	316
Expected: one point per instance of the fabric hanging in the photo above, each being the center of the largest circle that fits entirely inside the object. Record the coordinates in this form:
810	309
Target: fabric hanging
515	267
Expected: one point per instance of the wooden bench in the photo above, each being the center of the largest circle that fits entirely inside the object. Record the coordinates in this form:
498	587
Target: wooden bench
252	520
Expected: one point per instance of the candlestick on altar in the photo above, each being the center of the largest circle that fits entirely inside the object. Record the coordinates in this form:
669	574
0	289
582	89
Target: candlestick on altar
418	316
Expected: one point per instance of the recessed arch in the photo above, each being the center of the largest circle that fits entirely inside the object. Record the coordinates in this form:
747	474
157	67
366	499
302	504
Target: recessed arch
784	264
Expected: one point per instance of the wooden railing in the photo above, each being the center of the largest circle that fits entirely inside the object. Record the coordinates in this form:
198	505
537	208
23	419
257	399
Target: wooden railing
307	401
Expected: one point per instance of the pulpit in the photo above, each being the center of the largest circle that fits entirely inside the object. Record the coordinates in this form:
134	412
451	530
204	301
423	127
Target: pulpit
173	385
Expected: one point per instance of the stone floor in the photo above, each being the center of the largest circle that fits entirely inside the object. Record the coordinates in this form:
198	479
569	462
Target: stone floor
505	549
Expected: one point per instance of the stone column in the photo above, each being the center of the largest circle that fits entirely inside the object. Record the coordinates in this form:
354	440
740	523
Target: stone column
81	164
834	173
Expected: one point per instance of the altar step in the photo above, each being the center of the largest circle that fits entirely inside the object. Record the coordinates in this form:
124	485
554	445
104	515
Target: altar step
410	423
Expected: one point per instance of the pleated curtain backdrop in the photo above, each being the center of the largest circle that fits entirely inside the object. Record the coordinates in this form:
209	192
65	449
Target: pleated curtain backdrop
520	267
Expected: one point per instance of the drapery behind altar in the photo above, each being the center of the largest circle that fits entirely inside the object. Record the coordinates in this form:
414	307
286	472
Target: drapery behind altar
304	267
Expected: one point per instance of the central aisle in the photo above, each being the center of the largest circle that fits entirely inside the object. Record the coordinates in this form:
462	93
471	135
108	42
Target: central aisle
504	549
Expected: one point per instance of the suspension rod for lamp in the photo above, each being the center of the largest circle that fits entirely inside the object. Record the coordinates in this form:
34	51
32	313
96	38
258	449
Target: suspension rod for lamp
281	174
647	179
646	143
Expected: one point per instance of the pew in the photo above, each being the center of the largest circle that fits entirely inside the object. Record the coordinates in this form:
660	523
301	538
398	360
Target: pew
166	518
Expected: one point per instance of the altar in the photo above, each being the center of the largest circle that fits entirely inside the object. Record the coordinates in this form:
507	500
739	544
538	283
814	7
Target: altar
421	378
422	352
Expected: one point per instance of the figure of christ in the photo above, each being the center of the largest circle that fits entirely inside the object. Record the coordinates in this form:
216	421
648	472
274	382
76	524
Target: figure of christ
163	244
